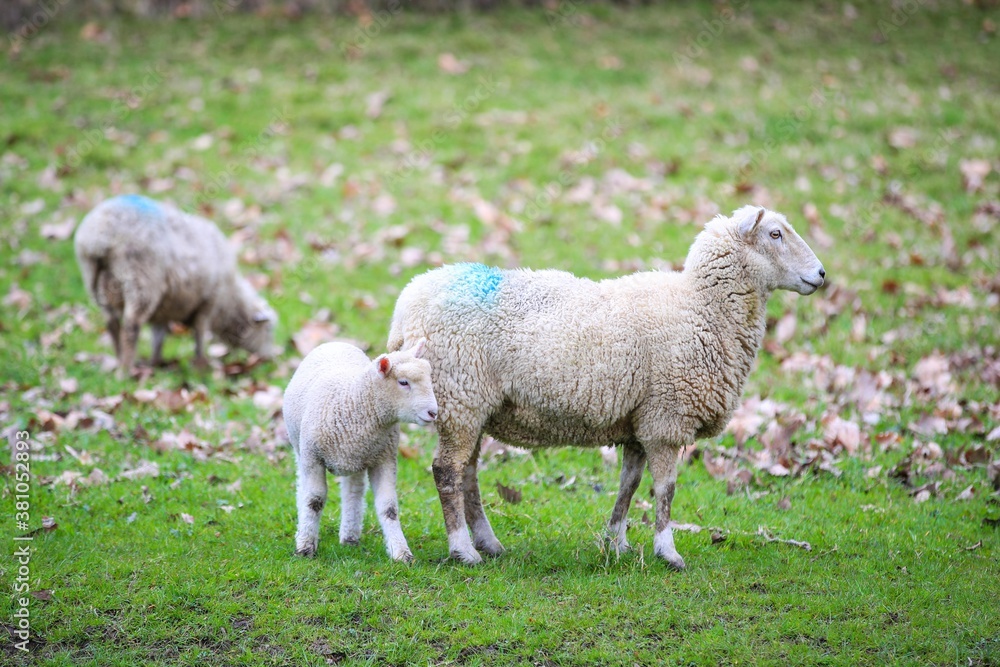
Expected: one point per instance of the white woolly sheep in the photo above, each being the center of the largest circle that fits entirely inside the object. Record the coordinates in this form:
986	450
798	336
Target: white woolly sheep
143	261
650	361
342	412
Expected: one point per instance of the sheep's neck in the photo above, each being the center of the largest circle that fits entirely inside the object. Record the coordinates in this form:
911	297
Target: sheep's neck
728	298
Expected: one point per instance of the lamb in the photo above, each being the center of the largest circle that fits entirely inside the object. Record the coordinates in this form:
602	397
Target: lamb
651	361
143	261
342	412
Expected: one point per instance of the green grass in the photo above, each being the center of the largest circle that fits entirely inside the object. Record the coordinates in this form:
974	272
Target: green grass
887	580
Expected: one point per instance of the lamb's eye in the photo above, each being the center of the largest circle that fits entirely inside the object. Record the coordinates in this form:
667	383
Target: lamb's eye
404	383
776	234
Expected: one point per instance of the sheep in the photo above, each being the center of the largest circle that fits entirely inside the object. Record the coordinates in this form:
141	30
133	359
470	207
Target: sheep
342	412
650	361
143	261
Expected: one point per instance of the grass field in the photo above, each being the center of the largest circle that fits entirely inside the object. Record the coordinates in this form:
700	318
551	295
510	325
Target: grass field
347	156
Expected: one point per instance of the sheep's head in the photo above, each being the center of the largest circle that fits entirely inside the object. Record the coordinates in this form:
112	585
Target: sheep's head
775	254
407	380
249	323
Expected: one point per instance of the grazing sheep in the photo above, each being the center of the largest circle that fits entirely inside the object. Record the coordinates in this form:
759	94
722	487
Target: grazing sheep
650	361
342	412
143	261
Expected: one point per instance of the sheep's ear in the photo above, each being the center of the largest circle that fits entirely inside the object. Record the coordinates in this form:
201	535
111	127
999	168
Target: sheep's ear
751	217
261	316
383	364
418	349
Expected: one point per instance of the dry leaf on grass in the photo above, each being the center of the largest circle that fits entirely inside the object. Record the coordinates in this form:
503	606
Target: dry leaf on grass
313	334
449	64
509	495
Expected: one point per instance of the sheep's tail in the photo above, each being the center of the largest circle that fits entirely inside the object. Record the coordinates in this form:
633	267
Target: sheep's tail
92	268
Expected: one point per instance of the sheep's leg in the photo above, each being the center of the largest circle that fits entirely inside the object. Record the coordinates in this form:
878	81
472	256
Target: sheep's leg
482	532
115	331
663	467
310	497
352	507
199	329
383	480
137	311
633	461
449	466
159	334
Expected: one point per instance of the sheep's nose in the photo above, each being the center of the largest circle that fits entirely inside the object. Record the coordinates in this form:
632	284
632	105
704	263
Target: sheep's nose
432	414
822	273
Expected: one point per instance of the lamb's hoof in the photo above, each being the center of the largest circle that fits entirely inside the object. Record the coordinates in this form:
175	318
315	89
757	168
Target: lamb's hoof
307	551
490	548
350	540
403	557
468	558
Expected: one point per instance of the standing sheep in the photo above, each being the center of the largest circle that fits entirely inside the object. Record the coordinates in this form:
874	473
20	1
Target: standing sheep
342	412
143	261
650	361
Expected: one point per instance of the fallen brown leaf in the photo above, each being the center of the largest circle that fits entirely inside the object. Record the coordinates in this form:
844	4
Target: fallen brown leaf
509	495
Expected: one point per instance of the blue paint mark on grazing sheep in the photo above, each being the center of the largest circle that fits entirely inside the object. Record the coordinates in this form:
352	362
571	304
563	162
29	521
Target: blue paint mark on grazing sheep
139	203
478	281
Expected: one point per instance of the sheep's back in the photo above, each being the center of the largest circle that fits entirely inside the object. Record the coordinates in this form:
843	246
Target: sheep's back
543	344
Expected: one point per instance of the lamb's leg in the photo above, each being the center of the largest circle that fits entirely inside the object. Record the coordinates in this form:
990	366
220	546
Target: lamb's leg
633	461
663	467
383	480
482	532
310	497
454	450
159	334
352	507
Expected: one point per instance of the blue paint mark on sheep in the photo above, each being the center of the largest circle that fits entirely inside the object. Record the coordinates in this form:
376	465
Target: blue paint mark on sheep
478	281
139	203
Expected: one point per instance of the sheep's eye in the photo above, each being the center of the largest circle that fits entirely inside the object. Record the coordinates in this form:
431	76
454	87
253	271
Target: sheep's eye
404	383
776	234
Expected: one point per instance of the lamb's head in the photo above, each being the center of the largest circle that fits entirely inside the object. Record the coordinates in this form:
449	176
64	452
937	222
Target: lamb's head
248	322
774	253
407	382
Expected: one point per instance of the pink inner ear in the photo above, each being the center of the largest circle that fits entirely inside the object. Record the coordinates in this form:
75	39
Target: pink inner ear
383	365
760	216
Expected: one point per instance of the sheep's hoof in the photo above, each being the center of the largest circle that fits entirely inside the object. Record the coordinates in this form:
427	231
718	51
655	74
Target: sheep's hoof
472	558
308	551
350	541
619	547
490	548
673	560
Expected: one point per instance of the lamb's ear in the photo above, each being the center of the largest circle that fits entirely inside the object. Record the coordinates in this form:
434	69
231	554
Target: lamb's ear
261	316
418	349
749	218
383	364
